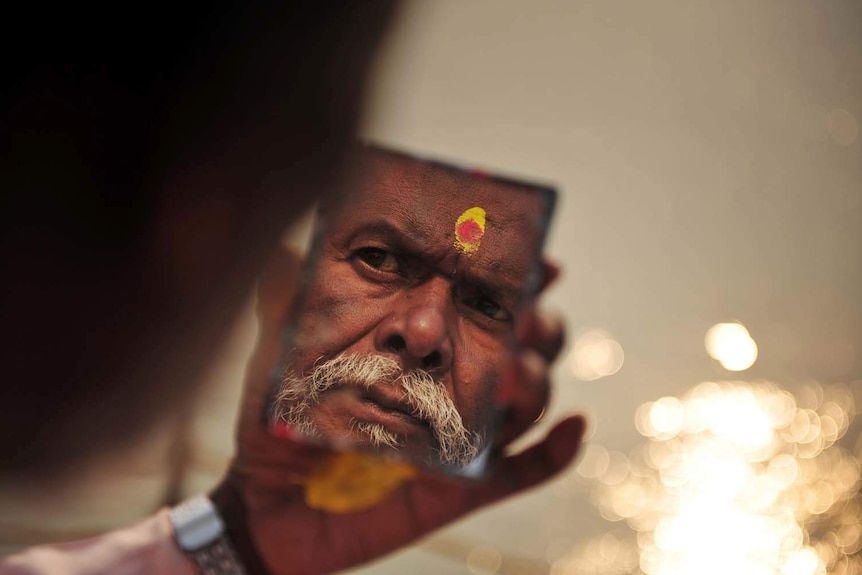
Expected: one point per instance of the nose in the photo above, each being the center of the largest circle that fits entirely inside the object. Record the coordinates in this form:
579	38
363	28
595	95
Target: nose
418	327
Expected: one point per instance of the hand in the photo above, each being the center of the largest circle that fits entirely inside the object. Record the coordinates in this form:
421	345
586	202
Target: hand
291	537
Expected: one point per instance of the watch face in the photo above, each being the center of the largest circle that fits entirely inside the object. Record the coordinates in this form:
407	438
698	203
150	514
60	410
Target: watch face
196	523
415	280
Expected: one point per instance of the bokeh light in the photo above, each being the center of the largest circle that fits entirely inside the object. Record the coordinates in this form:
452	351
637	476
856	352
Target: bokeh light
816	122
735	477
731	345
596	354
843	127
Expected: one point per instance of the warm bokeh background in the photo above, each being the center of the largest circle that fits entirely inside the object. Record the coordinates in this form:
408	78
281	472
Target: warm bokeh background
710	167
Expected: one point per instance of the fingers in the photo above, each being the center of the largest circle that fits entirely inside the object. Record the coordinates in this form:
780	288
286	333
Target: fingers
550	274
270	452
433	500
524	388
527	393
276	461
277	288
542	332
536	464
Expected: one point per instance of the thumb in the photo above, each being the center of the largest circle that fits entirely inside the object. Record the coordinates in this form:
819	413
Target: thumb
436	500
536	464
277	289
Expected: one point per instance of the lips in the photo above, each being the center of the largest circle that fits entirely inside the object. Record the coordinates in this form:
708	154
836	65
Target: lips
390	400
348	402
383	403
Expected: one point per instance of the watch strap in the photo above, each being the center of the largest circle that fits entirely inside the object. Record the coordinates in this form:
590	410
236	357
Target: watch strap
200	532
231	507
218	558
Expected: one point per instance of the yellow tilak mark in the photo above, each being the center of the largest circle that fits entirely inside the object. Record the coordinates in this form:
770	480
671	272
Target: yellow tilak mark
469	229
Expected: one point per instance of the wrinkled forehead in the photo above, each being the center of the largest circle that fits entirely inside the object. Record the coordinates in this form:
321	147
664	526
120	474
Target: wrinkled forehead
433	198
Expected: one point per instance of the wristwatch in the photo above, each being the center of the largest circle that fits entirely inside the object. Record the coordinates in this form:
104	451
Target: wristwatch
200	533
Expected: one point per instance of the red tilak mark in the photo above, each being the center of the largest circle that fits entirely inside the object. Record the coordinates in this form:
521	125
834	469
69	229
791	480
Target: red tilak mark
470	232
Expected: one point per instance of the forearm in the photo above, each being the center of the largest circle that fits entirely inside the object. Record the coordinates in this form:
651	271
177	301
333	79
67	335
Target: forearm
145	547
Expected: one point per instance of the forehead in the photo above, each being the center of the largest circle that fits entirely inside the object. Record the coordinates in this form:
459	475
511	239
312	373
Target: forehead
431	198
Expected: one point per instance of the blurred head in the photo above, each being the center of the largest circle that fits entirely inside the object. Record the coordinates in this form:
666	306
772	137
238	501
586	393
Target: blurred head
152	160
410	309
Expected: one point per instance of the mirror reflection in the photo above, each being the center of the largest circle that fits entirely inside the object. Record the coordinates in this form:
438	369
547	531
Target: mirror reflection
416	277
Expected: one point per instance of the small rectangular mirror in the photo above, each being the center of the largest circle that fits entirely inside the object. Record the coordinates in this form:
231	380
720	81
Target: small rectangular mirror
416	275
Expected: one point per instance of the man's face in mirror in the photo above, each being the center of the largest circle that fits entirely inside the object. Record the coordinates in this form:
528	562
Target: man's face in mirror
410	310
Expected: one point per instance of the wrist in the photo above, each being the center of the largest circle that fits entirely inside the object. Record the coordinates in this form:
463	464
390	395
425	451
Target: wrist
230	504
199	532
213	533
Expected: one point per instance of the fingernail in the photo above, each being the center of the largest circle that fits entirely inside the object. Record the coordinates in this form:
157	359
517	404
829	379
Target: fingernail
541	415
551	323
533	366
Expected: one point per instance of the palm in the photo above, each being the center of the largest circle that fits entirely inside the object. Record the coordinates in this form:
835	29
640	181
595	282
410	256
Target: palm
291	537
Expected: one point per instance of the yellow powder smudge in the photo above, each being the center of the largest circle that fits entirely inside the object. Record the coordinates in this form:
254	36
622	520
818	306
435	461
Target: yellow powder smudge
352	481
469	229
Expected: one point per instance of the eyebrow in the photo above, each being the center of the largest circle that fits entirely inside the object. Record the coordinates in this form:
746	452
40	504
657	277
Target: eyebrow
411	234
494	283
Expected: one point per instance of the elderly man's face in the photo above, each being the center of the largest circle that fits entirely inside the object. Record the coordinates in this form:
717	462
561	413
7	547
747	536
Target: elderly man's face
410	310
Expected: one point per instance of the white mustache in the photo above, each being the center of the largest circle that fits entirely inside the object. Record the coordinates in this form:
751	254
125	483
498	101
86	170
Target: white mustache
428	398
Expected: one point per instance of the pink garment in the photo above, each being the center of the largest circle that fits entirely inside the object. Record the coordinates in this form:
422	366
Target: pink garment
143	548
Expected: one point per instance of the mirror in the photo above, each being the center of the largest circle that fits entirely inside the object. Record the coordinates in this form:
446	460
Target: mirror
417	272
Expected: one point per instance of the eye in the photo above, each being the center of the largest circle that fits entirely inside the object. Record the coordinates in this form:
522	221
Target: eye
379	259
488	307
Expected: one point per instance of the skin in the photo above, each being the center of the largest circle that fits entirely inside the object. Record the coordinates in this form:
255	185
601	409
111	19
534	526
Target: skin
391	281
143	140
290	537
153	180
